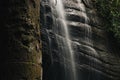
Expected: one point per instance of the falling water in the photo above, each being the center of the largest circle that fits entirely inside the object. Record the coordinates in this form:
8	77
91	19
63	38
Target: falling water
61	14
64	30
87	29
87	34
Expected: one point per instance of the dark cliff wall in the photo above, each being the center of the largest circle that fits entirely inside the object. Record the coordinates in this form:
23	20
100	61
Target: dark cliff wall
94	62
108	52
20	46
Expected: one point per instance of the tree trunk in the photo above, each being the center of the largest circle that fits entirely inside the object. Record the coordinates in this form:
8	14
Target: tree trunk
20	45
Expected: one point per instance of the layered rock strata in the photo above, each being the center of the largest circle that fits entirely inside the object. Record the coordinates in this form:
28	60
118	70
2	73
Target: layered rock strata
95	60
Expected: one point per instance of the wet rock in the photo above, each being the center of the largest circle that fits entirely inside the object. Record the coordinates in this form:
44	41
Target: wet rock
94	59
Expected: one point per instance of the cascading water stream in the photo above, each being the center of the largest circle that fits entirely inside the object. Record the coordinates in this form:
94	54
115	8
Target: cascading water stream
61	14
65	38
87	33
87	29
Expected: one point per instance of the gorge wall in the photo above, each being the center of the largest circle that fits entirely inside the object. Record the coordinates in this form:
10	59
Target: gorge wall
95	55
95	61
20	46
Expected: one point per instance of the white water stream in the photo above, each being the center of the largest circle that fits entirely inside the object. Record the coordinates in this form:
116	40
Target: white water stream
61	13
59	7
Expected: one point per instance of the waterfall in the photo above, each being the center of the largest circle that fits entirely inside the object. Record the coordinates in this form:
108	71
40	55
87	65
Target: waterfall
68	51
65	39
87	29
63	49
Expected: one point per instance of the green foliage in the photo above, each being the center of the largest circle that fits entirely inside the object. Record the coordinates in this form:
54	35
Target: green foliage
109	10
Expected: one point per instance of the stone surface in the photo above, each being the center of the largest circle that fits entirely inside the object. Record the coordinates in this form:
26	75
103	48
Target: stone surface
96	61
20	44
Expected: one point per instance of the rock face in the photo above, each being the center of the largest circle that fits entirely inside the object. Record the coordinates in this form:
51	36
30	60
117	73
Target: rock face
95	60
20	46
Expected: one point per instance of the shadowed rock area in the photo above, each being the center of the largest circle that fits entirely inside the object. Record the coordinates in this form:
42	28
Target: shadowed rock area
20	45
